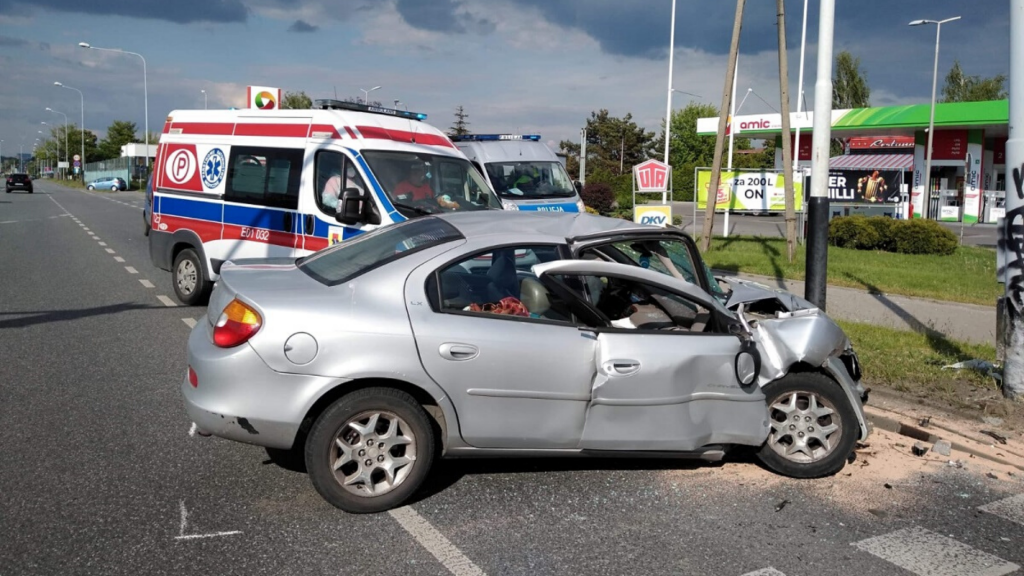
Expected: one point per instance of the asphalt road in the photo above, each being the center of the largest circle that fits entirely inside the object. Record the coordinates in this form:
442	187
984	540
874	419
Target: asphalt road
100	475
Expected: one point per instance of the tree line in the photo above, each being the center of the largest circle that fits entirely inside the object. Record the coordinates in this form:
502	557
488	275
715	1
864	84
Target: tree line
119	133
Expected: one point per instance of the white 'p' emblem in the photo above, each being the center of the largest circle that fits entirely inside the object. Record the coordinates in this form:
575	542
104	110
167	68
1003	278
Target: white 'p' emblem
181	166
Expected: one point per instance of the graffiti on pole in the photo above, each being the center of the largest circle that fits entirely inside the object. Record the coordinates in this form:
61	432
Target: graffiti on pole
1013	247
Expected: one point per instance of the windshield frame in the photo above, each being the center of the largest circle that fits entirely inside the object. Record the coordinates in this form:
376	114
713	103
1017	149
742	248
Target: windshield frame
384	169
554	165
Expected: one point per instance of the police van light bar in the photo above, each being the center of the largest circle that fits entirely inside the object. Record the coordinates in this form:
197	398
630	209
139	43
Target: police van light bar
356	107
487	137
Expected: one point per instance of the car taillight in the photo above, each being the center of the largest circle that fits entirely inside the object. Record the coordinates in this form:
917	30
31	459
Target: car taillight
237	323
193	379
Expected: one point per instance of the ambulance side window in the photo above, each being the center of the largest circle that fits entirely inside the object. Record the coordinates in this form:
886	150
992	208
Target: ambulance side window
264	176
329	182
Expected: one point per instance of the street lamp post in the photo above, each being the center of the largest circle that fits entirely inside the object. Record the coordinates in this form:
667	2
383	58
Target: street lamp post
205	101
82	127
668	105
65	134
799	94
931	118
145	88
366	94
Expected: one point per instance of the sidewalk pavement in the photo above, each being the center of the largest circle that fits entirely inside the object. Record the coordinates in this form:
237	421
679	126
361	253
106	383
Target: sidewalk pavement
956	321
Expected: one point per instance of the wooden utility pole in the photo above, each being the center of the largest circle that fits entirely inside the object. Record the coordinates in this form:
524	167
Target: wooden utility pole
716	166
787	142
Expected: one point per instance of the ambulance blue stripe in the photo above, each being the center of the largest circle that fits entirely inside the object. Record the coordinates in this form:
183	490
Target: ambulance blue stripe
188	208
254	217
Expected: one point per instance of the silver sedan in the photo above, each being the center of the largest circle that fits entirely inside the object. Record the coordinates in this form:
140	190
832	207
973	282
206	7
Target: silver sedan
514	334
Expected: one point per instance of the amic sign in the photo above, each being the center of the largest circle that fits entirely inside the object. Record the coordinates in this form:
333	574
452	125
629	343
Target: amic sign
651	176
653	215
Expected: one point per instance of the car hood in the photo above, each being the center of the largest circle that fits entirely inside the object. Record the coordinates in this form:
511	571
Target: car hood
805	336
754	295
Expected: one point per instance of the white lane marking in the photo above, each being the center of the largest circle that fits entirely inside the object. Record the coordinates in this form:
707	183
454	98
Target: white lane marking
91	233
765	572
166	301
190	322
446	553
131	269
84	228
111	251
192	432
146	283
117	258
184	524
1011	508
929	554
102	243
61	207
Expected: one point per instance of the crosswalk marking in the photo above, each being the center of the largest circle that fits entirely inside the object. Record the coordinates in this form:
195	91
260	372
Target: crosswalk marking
929	554
1011	508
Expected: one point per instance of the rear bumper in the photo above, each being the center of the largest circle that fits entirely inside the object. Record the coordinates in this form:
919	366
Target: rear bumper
240	398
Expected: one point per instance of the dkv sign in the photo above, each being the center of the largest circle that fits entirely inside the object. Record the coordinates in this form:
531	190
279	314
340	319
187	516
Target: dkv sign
657	215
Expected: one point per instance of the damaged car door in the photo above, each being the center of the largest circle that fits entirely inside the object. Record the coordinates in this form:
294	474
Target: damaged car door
666	362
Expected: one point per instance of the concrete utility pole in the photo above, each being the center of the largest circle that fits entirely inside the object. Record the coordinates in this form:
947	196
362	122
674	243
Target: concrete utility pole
787	143
1012	244
716	165
817	208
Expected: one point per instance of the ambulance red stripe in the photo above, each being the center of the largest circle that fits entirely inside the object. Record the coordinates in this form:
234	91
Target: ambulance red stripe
377	133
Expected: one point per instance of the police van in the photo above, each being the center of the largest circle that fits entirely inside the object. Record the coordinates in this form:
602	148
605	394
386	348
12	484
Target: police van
231	184
524	172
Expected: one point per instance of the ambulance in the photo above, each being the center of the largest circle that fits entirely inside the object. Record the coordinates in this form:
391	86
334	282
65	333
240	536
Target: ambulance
234	184
524	172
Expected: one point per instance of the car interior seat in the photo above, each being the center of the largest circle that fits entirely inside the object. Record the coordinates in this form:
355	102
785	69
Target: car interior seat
502	274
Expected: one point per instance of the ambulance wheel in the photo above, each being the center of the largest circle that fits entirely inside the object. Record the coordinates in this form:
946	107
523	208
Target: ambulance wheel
190	283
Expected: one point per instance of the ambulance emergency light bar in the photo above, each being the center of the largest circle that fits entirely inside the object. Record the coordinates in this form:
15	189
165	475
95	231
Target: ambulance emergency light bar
488	137
341	105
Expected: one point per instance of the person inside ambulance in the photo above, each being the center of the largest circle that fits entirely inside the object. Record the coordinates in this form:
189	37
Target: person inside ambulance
416	187
331	188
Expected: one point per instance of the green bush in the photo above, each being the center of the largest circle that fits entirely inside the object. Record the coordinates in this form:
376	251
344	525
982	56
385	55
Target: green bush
923	237
599	196
853	232
884	226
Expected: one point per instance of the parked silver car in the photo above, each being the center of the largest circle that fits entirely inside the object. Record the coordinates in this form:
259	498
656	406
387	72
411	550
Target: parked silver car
519	335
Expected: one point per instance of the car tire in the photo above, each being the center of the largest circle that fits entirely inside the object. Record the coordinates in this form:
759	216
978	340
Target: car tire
145	231
796	421
90	187
335	427
191	286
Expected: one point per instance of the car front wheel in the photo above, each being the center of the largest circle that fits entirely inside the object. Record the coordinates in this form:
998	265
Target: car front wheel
370	450
114	188
190	283
813	426
90	187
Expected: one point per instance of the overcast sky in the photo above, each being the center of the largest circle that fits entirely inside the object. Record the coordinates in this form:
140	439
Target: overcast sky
515	65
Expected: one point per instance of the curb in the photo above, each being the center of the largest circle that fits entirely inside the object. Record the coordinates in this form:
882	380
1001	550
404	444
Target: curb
897	427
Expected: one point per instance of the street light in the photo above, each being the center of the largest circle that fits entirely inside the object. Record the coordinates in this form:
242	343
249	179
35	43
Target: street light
82	158
366	93
931	118
145	88
205	102
65	134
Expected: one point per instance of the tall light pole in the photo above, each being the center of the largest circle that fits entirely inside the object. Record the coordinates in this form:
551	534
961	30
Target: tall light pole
931	118
1011	245
816	270
205	101
800	93
366	94
668	105
145	88
65	134
80	95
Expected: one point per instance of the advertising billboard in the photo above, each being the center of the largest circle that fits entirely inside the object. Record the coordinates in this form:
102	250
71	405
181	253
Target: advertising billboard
864	185
754	191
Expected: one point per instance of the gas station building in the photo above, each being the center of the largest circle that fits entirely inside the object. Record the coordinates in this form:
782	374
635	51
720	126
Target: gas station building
884	161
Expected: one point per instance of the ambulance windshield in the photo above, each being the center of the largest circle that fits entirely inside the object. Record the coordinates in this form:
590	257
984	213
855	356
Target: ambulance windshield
523	180
418	183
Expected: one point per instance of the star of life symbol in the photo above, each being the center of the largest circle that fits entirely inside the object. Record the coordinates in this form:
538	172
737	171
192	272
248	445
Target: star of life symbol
213	168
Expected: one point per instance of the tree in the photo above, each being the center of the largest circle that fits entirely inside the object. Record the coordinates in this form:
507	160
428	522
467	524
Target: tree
962	88
849	90
459	128
296	101
119	133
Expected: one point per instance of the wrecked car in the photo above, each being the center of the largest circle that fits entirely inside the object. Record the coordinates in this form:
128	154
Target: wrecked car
492	334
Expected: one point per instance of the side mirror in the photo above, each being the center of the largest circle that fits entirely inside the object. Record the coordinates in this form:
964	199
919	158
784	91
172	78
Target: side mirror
748	363
578	185
352	207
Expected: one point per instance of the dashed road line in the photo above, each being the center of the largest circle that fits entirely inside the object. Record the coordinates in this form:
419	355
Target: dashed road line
440	547
110	251
91	233
1011	508
59	206
166	301
765	572
118	259
102	243
190	322
929	554
84	228
147	283
131	269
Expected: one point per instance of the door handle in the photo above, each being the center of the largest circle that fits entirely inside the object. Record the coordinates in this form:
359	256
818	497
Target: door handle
308	231
458	352
620	367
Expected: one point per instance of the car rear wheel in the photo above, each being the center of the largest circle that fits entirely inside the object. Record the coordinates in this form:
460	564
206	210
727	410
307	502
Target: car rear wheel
145	220
190	283
90	187
370	450
813	426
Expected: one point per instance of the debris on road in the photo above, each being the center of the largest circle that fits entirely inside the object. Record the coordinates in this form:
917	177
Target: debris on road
992	420
888	486
942	447
924	422
919	449
992	476
998	437
983	366
781	505
955	463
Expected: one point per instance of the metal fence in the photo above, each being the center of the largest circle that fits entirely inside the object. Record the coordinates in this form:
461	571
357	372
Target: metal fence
128	167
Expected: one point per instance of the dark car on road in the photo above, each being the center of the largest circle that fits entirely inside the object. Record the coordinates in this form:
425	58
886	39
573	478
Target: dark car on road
19	182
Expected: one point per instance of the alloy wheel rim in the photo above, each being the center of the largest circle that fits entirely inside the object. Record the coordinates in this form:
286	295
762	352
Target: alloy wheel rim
186	277
805	427
372	453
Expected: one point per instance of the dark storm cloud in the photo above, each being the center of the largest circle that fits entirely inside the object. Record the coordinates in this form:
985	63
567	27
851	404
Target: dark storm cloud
10	42
302	26
178	11
433	15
